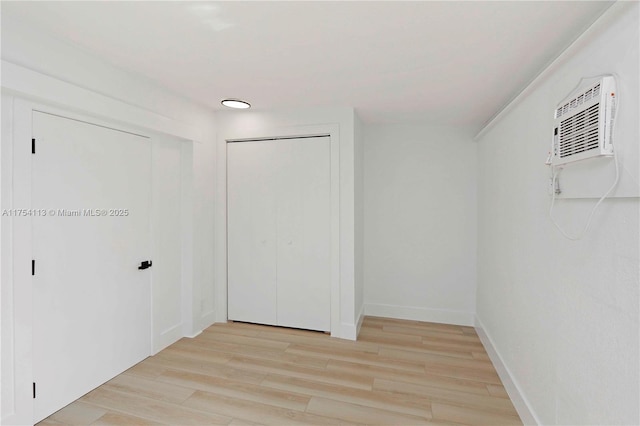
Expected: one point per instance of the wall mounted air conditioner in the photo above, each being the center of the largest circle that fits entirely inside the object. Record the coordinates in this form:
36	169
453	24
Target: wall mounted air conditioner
583	126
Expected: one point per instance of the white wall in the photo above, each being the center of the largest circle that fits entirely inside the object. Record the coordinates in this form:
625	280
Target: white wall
26	46
420	223
562	316
167	188
204	178
254	123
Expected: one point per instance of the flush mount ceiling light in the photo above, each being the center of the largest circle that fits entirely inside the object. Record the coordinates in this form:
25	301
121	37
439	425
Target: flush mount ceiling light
235	103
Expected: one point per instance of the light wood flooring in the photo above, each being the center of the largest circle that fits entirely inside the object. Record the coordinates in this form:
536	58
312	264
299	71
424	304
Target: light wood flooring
398	373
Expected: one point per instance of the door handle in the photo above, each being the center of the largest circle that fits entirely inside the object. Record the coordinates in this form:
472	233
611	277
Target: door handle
146	264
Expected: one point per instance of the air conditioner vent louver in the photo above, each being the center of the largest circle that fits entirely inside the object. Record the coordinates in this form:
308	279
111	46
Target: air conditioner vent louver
579	133
591	93
583	123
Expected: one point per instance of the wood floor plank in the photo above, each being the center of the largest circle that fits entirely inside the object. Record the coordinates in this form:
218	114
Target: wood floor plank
468	330
398	372
447	396
214	336
206	346
78	413
320	375
152	410
253	411
233	328
438	349
396	337
185	351
466	373
119	419
456	341
471	416
314	339
427	378
399	403
439	335
148	388
223	353
51	422
242	422
212	369
498	390
360	414
447	328
481	355
234	389
427	332
303	360
449	344
429	359
145	369
356	356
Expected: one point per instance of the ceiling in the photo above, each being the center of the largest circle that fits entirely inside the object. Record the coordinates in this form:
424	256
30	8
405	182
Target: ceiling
450	63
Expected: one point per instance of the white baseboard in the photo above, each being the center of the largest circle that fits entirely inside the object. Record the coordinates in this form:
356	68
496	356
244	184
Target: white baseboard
420	314
347	331
520	403
207	320
167	337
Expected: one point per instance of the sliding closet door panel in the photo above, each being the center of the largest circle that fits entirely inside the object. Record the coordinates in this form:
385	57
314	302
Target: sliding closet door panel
251	231
304	233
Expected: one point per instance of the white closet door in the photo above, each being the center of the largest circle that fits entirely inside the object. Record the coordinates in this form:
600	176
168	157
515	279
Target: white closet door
279	232
251	231
304	233
92	306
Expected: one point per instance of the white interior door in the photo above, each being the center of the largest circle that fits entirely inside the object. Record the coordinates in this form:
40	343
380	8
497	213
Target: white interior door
251	232
279	232
92	313
304	233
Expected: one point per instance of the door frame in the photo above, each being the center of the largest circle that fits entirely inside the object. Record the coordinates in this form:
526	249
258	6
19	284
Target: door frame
19	251
331	130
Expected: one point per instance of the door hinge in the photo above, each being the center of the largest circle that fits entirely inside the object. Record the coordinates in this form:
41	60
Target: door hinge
33	267
34	390
33	146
